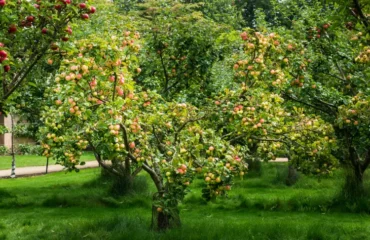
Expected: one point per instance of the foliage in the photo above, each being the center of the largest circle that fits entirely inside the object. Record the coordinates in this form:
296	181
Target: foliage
29	31
4	150
29	149
180	49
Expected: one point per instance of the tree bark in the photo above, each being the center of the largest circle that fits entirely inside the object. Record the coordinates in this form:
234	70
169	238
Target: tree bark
292	177
12	175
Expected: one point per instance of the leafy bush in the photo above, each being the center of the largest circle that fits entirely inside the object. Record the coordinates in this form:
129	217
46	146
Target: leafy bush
4	150
29	149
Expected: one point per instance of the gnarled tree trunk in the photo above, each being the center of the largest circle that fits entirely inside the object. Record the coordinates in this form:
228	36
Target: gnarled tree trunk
165	218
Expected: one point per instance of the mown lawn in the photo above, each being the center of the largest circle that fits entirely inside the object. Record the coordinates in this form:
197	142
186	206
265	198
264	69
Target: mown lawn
34	160
80	206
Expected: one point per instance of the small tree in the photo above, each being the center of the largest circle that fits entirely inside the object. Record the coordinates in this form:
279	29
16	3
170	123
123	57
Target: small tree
96	103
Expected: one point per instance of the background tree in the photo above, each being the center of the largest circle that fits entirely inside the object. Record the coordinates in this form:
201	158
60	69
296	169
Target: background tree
180	50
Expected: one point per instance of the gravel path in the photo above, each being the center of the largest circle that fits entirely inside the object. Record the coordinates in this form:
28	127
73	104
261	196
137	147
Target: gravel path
30	171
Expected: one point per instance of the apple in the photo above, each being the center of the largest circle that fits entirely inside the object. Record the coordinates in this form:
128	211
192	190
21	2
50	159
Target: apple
218	180
2	3
326	25
2	44
244	35
355	123
159	209
35	5
3	54
138	70
69	30
12	28
65	39
211	148
207	179
82	5
92	10
132	145
180	171
58	102
30	18
85	16
318	36
183	167
44	31
67	1
6	68
54	46
58	7
262	120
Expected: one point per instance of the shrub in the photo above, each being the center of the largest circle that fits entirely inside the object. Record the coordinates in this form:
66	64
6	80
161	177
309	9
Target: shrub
29	149
4	150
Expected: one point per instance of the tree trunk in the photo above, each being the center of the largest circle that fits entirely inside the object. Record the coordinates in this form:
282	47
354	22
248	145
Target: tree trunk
12	175
353	188
166	219
292	177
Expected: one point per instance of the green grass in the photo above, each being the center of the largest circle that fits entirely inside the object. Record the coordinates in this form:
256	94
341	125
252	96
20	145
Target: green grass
33	160
79	206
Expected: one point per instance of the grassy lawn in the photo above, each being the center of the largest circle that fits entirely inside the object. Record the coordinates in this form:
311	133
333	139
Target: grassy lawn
80	206
33	160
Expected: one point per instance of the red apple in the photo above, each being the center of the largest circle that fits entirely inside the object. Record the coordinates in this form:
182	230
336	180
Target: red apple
92	10
132	145
82	5
12	28
30	18
65	39
44	30
85	16
6	68
54	46
3	54
69	30
58	7
2	3
2	44
35	5
326	25
67	1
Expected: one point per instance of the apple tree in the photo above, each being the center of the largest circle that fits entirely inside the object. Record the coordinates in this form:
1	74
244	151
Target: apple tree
334	85
29	30
256	116
96	103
